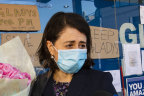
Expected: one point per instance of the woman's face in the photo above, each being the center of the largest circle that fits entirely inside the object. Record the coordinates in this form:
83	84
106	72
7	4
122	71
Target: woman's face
70	38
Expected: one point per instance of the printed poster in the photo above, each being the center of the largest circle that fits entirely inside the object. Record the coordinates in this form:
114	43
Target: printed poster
135	86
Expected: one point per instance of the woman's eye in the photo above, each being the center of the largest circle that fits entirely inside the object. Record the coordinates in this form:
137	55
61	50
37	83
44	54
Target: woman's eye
69	46
82	46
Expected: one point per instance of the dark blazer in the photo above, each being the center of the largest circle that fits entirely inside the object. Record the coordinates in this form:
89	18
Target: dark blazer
86	82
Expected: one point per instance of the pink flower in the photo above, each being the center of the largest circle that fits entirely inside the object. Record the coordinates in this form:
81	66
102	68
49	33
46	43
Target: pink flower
7	71
13	74
1	66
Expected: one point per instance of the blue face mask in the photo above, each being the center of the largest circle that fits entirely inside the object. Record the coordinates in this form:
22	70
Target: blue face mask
71	61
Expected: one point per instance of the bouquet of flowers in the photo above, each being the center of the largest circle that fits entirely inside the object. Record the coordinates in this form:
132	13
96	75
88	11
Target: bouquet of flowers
16	69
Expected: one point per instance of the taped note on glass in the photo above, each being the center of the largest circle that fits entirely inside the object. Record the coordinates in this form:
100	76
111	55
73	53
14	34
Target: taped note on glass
142	14
132	59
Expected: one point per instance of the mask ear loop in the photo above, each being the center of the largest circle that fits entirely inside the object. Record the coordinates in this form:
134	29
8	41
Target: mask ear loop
54	47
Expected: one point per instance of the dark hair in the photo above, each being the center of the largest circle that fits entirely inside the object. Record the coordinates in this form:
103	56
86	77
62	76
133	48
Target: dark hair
52	32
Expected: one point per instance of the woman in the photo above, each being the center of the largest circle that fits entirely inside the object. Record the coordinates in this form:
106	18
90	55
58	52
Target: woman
65	50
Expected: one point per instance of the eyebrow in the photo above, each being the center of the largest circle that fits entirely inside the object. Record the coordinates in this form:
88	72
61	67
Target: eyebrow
74	41
82	42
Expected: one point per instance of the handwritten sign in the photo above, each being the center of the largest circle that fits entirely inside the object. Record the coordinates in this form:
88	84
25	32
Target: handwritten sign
104	43
135	86
31	42
19	17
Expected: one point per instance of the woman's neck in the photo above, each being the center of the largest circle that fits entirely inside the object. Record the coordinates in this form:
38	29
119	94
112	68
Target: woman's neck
60	76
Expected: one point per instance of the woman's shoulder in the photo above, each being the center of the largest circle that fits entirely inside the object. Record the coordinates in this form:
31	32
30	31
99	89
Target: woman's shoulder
100	79
94	72
97	75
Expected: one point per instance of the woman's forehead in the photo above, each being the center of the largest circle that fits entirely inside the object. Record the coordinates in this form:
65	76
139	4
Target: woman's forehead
72	34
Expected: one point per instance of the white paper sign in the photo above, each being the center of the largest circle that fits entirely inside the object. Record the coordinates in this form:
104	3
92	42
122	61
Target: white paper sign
132	59
142	60
142	14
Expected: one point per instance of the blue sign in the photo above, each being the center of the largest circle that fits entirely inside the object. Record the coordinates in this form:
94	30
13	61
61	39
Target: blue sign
135	86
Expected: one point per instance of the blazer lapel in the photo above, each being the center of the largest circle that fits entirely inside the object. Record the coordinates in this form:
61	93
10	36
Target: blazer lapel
77	84
48	88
